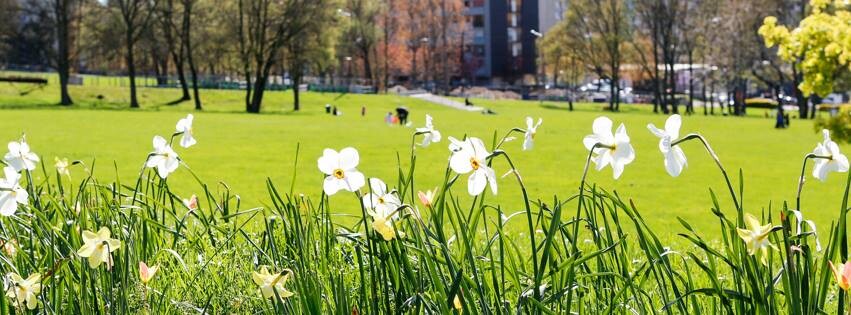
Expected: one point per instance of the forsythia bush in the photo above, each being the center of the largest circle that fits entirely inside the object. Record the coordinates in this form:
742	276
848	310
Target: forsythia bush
821	44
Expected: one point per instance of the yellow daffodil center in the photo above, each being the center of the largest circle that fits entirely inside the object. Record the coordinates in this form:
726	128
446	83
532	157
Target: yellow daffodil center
381	200
613	149
475	163
338	173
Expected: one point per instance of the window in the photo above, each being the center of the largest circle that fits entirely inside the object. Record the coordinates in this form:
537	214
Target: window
478	21
516	49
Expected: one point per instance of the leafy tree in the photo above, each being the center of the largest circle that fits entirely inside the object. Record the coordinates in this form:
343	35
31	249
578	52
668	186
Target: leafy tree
822	42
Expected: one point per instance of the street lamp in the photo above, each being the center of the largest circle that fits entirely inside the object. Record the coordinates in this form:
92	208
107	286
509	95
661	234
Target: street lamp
540	35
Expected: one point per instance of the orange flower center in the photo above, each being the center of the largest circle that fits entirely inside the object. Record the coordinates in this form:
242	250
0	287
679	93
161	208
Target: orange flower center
338	173
475	163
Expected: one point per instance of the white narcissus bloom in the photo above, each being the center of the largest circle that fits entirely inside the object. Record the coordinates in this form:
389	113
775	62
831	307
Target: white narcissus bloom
62	166
430	135
20	157
271	284
531	130
184	126
97	247
469	156
24	292
341	171
163	158
11	193
381	205
675	159
837	161
380	199
618	152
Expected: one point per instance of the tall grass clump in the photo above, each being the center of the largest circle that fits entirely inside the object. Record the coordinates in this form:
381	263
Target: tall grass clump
89	247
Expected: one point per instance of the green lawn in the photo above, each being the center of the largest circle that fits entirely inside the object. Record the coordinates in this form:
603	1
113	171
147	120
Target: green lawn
241	149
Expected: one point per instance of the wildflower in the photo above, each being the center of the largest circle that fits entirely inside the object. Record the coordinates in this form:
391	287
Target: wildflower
430	135
615	149
62	166
191	203
675	159
163	158
755	237
20	157
184	127
272	284
147	273
469	156
427	197
341	171
531	130
842	274
456	303
380	198
836	161
98	246
11	193
24	291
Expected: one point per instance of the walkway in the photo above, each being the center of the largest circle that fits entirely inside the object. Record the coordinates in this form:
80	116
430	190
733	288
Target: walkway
428	97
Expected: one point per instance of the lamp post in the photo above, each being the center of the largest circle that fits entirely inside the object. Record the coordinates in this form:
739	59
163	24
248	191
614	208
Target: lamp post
539	35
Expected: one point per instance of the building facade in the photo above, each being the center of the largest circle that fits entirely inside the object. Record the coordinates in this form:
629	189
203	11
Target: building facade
501	48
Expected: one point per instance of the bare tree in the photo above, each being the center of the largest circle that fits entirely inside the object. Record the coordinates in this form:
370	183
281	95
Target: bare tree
62	14
177	52
135	15
264	27
603	25
186	40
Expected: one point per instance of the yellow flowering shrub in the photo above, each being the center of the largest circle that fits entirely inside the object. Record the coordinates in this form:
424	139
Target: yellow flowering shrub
821	42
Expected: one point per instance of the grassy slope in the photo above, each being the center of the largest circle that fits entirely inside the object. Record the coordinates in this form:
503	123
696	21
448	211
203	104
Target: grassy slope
241	149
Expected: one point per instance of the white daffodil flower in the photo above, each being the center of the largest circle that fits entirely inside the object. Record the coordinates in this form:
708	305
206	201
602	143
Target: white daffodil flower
836	163
97	247
469	156
11	193
617	151
675	159
184	126
430	135
341	171
20	157
381	205
62	166
531	130
163	158
380	200
272	284
24	292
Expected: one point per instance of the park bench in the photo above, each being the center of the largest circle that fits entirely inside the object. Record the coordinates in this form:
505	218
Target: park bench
29	80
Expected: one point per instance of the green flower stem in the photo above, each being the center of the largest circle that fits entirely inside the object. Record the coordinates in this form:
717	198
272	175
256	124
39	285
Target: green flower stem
714	156
529	220
801	179
503	140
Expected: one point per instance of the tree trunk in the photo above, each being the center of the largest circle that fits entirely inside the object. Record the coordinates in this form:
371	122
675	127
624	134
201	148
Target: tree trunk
131	67
690	104
367	65
187	43
63	62
296	91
